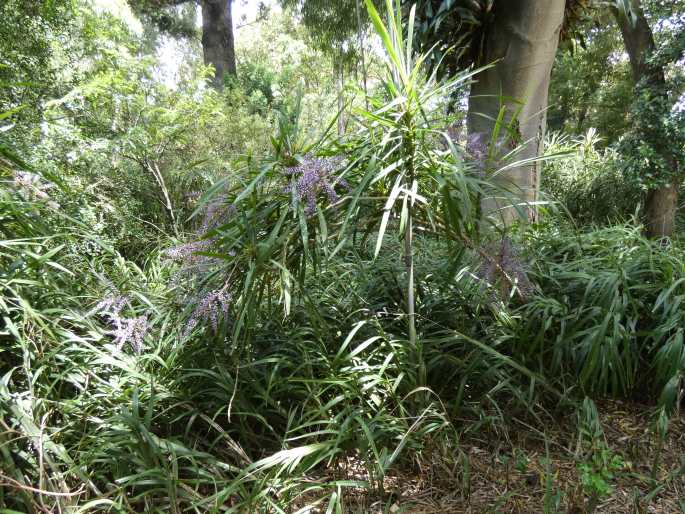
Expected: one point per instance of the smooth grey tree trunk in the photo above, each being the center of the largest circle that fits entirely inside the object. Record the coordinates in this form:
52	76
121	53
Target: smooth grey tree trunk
522	43
218	45
661	203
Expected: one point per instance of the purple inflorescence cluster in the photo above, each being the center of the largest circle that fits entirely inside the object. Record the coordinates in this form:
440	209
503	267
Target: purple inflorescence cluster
503	266
477	147
124	330
217	212
208	309
192	262
316	174
112	304
131	330
187	252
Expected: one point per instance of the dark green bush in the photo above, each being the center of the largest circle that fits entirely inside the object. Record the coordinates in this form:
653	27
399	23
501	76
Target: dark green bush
608	313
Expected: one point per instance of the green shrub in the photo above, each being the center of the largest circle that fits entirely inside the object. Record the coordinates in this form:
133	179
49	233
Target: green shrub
588	182
608	312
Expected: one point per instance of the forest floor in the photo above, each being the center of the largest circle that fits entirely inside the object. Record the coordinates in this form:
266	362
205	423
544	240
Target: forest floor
527	471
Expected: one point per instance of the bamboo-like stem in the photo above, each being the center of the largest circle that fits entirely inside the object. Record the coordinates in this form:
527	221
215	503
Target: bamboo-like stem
409	262
411	300
409	265
159	178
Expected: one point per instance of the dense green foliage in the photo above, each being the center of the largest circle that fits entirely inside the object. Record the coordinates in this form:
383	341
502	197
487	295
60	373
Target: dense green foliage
590	86
30	65
588	183
210	303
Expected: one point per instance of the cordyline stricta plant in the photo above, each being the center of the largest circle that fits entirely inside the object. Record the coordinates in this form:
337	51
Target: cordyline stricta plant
401	172
428	188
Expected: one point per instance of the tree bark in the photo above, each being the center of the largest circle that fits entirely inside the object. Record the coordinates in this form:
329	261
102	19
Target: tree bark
218	45
522	42
637	38
660	210
661	203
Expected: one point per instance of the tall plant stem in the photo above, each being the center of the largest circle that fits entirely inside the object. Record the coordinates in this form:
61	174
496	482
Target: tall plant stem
409	265
411	313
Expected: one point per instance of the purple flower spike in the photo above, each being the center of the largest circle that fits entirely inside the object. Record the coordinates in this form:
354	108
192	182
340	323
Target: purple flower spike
124	330
110	305
316	174
216	214
502	267
188	252
131	330
208	309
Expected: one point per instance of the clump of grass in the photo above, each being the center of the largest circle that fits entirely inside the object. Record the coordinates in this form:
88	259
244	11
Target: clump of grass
608	314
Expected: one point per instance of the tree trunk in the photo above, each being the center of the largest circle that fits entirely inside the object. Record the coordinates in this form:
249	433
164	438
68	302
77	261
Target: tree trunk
637	38
660	211
522	42
661	203
217	39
